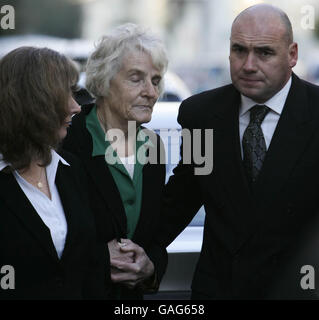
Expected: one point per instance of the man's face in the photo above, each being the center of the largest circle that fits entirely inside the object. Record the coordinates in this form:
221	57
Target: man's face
260	57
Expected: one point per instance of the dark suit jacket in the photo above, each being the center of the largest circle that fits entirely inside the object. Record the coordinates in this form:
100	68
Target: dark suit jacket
106	201
26	243
248	236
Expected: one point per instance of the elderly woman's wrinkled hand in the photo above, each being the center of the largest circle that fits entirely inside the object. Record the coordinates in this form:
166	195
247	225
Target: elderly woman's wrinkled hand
117	254
133	273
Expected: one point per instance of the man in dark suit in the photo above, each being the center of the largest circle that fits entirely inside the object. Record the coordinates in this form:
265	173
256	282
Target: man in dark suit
262	194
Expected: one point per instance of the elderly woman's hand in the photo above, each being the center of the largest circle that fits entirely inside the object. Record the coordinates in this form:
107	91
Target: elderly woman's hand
117	254
133	273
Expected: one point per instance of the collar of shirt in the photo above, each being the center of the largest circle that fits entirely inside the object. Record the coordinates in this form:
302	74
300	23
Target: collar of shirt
275	103
102	146
51	168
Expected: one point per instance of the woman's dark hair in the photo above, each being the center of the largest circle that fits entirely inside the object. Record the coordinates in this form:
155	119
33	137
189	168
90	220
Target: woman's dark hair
35	86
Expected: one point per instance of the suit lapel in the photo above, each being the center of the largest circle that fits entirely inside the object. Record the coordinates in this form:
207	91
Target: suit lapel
21	207
65	184
229	168
101	175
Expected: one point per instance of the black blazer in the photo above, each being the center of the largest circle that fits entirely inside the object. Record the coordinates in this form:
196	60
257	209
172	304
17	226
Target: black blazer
248	236
106	201
26	243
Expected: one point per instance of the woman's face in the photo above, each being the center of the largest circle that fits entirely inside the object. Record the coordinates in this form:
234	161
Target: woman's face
133	90
73	108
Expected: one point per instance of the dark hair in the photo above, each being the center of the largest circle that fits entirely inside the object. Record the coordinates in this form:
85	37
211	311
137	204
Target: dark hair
35	85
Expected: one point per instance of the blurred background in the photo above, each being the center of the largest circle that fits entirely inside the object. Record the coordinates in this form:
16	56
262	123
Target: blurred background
196	32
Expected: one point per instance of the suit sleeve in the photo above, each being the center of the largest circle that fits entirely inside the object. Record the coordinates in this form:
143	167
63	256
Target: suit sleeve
96	282
181	197
156	252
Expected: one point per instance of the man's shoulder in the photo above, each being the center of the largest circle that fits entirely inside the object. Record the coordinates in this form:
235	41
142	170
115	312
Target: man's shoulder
306	94
199	105
299	83
216	94
311	87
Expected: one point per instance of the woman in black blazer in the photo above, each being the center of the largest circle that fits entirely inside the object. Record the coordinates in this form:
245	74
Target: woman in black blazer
47	232
124	74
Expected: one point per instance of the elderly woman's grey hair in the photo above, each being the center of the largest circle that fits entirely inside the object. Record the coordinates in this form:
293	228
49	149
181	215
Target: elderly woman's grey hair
106	60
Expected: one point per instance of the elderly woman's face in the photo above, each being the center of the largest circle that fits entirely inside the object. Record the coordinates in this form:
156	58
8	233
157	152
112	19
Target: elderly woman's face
73	108
134	89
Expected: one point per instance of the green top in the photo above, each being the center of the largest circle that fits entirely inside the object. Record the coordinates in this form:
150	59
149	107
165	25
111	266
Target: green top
130	189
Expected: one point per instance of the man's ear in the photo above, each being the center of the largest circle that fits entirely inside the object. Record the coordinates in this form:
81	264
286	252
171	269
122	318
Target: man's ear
293	54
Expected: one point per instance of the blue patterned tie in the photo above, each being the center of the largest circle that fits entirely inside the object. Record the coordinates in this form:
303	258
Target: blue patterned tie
254	146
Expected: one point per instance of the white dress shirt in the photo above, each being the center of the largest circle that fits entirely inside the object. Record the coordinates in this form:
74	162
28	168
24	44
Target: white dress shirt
268	126
50	210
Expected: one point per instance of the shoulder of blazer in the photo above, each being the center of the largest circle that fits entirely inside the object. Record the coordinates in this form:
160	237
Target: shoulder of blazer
200	105
312	90
298	81
75	164
303	98
74	174
70	158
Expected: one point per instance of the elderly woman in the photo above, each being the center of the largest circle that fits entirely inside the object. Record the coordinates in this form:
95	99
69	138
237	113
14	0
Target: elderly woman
47	231
125	75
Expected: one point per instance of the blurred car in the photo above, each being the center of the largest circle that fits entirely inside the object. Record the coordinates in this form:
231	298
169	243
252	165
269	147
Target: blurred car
174	88
76	49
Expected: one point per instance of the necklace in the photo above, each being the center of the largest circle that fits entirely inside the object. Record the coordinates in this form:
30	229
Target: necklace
39	183
29	177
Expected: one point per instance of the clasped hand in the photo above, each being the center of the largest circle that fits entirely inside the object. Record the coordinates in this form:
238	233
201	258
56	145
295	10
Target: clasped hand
130	265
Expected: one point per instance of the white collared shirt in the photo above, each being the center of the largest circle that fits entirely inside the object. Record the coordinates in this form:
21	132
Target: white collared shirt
50	211
268	126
